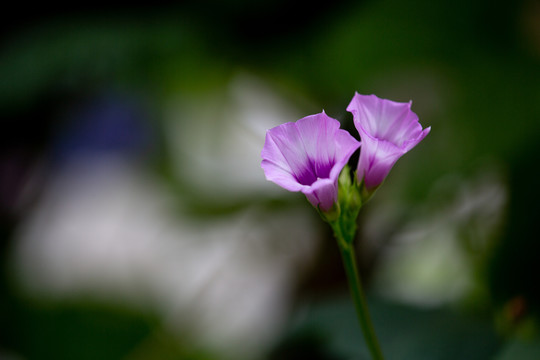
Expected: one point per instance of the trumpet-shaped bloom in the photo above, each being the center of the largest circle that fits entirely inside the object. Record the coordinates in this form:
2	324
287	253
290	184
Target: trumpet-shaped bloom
308	156
388	130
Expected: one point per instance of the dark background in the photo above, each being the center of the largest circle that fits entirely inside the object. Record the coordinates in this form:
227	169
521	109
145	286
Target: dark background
448	250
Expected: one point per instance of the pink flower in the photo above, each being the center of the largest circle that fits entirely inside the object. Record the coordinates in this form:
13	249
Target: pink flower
308	156
388	130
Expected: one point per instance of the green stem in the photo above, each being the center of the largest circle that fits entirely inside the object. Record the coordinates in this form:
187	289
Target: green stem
349	261
343	222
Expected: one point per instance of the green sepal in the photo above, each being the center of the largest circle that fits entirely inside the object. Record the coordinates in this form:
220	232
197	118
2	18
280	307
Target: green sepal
343	221
365	194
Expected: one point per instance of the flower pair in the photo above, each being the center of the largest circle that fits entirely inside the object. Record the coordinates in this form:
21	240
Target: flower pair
308	155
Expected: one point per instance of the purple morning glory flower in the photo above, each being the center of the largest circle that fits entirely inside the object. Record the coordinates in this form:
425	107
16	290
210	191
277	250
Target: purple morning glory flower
308	156
388	130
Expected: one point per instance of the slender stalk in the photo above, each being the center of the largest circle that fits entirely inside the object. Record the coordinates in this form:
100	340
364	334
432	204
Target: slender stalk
349	261
343	222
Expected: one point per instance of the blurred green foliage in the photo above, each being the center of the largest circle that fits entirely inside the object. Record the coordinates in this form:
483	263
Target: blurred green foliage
404	333
471	67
